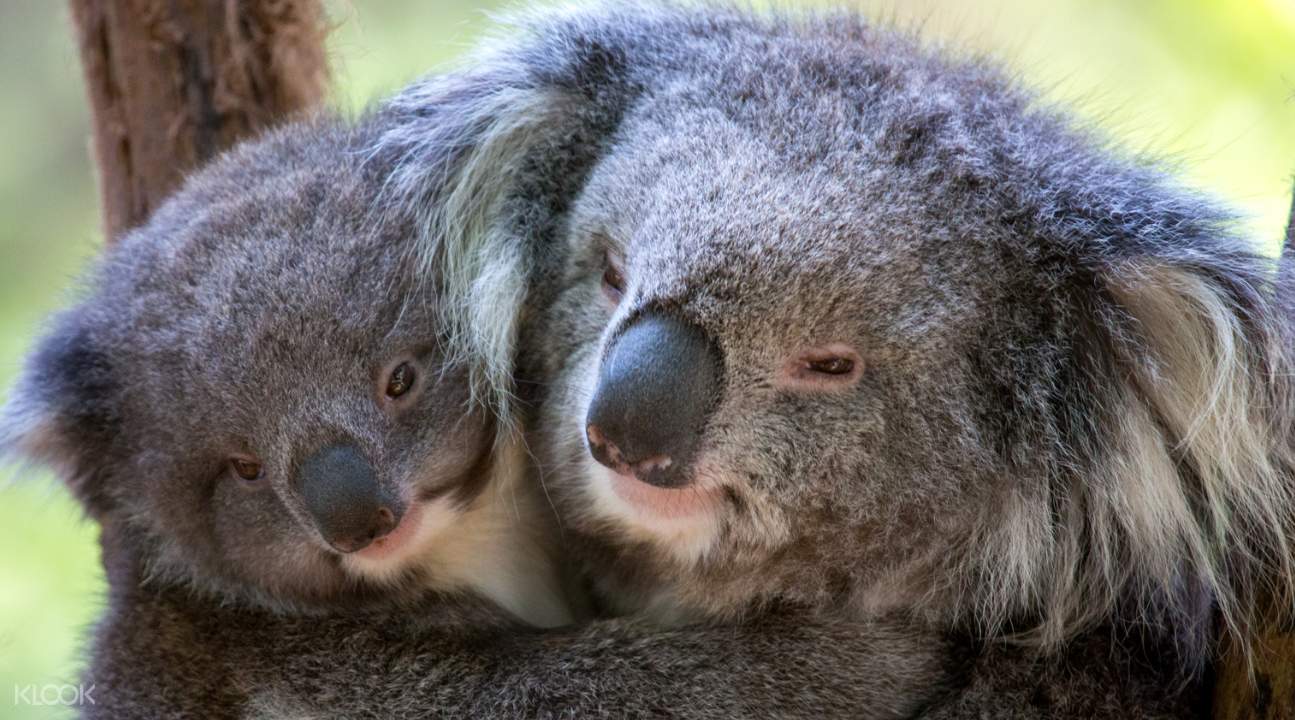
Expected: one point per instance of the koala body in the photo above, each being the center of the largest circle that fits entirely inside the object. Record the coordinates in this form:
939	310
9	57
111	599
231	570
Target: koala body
304	510
817	315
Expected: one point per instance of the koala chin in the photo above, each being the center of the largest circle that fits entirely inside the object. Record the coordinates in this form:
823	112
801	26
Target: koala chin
255	391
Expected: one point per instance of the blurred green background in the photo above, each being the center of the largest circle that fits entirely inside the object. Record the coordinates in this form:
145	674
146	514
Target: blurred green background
1206	83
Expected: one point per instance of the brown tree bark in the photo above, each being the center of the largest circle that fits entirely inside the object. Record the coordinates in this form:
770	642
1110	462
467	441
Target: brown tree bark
1263	689
173	82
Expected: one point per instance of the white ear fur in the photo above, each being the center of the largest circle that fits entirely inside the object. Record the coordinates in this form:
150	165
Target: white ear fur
1190	498
454	182
482	265
1219	500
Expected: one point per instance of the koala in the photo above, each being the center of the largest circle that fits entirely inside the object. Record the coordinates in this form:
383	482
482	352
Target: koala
307	511
811	313
256	391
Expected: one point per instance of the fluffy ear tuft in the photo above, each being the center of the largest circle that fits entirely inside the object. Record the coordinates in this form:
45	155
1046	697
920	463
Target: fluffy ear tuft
1207	428
465	238
483	160
1176	496
62	411
1290	230
1286	282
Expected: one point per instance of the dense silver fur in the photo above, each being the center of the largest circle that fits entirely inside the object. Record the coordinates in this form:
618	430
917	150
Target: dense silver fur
254	316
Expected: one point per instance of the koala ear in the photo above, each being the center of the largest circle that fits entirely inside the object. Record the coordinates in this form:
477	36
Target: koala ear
1289	240
62	411
1189	488
1171	407
481	158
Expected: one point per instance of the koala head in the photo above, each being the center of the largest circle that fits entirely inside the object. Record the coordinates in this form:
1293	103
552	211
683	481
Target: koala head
816	313
254	387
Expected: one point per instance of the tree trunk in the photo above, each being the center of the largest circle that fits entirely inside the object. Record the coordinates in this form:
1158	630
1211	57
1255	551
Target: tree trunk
1268	694
173	82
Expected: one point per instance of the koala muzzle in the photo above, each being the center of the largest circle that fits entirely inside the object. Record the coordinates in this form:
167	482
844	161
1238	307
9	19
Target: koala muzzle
342	493
659	383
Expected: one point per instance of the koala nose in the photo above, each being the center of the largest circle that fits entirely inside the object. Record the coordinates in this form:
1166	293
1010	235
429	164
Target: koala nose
342	493
658	385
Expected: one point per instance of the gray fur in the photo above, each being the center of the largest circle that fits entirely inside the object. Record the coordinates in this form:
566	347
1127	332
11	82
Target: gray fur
253	315
258	313
1074	415
445	659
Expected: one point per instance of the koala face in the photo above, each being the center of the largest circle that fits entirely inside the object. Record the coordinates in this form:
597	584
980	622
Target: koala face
773	363
255	384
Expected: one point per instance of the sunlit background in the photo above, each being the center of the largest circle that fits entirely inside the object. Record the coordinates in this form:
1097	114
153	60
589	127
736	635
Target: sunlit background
1207	84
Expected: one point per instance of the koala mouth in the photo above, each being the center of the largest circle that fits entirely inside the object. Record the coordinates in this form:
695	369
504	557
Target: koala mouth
388	546
684	522
665	503
430	511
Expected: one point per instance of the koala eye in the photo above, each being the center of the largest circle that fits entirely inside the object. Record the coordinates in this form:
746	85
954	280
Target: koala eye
831	367
247	469
613	280
401	380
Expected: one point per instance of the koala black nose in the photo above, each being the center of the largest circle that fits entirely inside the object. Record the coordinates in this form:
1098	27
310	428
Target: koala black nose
342	493
658	384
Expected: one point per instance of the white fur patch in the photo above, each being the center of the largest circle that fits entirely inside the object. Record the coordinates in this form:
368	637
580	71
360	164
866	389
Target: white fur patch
1192	497
687	537
497	547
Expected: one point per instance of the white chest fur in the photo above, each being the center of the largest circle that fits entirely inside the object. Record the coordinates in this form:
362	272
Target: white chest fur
501	546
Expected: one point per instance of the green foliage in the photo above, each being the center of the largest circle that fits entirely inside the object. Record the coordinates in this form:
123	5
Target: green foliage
1206	82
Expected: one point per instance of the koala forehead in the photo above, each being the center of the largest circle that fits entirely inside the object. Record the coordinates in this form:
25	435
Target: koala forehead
720	223
265	278
848	172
